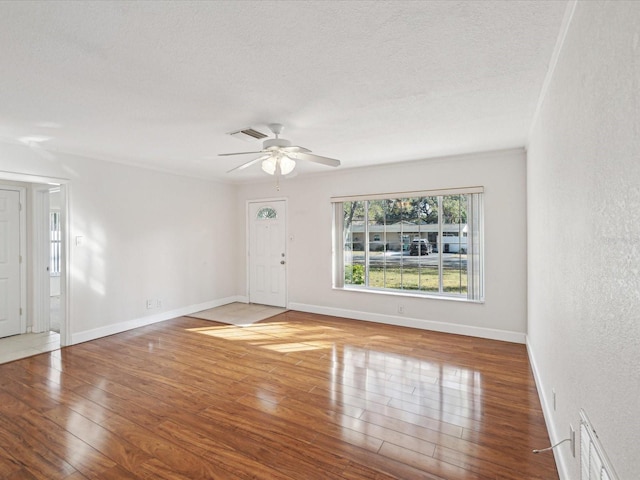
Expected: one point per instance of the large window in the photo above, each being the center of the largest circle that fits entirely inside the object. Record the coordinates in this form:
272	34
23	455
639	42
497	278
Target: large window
421	243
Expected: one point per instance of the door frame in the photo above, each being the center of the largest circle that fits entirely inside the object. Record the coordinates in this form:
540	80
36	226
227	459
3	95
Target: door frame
41	321
22	233
248	245
34	182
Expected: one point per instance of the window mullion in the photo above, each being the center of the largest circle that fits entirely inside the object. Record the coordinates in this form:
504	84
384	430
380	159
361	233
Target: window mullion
460	246
339	239
366	243
471	290
401	262
440	244
384	250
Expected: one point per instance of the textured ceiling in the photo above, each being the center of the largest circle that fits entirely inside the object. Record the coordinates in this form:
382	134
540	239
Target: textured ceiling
159	84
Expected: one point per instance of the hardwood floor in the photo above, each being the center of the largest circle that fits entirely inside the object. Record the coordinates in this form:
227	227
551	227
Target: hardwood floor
297	396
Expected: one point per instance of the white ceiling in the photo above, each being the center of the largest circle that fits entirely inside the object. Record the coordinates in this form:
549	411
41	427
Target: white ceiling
159	84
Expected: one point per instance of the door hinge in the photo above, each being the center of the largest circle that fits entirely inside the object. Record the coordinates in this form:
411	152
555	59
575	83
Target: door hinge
20	207
20	310
20	258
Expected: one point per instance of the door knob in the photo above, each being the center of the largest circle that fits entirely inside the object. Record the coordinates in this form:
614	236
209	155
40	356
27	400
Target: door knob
282	262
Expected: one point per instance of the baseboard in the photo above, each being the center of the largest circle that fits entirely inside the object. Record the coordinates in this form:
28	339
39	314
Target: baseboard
241	299
547	409
112	329
445	327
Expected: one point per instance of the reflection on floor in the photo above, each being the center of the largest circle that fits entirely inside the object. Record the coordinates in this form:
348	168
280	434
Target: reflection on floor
21	346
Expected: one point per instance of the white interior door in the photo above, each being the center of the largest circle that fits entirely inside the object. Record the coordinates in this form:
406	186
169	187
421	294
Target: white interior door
10	323
267	253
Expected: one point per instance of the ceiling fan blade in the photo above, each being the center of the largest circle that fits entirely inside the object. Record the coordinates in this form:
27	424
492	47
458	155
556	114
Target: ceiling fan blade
249	163
294	149
237	153
331	162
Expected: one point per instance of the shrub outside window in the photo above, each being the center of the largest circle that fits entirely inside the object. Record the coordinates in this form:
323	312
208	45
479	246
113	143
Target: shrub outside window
420	243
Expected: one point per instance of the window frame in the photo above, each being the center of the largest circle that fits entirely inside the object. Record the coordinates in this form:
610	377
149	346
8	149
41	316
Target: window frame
474	237
55	243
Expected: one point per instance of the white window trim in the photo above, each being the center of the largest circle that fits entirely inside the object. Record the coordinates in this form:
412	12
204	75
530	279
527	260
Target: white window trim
417	193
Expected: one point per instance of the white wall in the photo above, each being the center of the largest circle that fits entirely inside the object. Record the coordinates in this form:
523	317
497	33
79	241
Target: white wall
503	315
145	235
584	235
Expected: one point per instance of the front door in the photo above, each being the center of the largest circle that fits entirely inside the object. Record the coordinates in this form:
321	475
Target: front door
267	253
10	323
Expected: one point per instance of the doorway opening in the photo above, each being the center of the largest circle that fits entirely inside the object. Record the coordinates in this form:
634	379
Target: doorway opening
43	281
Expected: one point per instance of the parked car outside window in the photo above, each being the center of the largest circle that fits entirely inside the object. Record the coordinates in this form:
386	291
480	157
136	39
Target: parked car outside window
420	247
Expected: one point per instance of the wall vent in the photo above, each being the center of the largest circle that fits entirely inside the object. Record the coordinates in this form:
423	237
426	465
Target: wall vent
248	134
593	460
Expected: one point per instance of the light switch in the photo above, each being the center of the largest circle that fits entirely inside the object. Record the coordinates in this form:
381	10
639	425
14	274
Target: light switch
79	241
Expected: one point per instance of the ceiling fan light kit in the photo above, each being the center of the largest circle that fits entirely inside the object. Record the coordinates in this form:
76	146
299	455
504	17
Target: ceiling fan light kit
279	162
279	155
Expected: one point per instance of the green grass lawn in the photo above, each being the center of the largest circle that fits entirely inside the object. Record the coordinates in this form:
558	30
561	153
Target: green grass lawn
424	279
414	278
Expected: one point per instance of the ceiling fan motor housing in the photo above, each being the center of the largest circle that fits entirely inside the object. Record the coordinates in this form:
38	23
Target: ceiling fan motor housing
274	143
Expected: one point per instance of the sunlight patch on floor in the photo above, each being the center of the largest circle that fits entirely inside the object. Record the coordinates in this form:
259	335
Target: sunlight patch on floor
272	336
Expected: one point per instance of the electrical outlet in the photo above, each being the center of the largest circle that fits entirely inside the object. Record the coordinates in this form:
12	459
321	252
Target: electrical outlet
572	436
159	303
553	390
401	309
149	304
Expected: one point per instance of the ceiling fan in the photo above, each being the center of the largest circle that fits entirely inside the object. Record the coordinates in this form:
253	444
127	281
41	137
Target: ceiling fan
279	155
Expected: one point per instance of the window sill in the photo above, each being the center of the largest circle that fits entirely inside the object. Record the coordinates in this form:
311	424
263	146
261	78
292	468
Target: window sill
396	293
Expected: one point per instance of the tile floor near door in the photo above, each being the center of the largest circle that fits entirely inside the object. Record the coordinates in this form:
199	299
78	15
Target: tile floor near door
21	346
239	313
